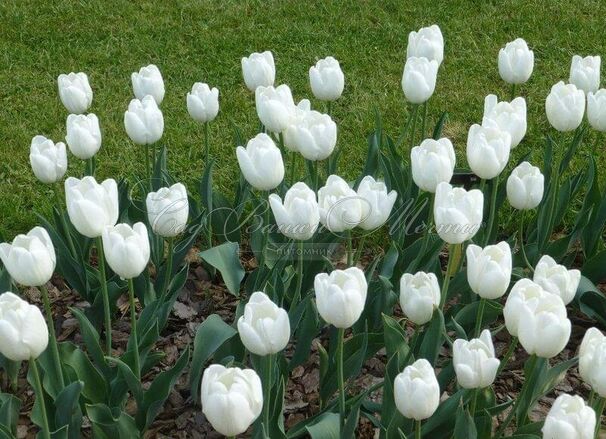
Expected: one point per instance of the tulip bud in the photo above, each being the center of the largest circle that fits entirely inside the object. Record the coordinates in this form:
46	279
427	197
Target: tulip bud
432	162
83	135
30	259
126	249
489	269
91	206
419	296
341	296
275	107
596	110
416	391
428	43
264	328
525	187
340	206
261	162
311	133
203	102
326	79
259	69
48	159
557	279
23	331
148	82
168	210
488	150
143	121
565	106
232	398
475	362
75	92
299	216
419	79
569	417
516	62
457	213
585	73
592	360
376	203
508	116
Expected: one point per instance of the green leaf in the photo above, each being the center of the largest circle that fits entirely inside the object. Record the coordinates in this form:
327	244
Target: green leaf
437	131
395	337
326	427
95	388
9	411
131	380
465	428
67	409
226	259
591	301
91	341
433	338
114	423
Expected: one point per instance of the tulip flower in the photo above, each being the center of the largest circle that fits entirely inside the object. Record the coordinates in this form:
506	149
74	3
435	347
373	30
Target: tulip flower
275	107
264	328
419	296
596	109
569	417
203	102
298	216
232	398
301	110
48	159
525	187
148	82
557	279
376	202
83	135
91	206
126	249
428	43
457	213
489	269
475	362
168	210
341	296
143	121
23	331
488	150
75	92
565	106
261	162
432	162
585	73
311	133
516	62
419	79
508	116
259	69
592	360
416	391
340	206
524	294
327	79
30	259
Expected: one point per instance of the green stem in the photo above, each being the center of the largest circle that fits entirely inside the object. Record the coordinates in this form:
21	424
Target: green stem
267	391
402	137
512	347
491	213
148	168
445	284
479	317
53	337
590	400
339	354
105	296
329	107
40	395
315	177
424	119
521	243
294	165
64	225
360	249
599	410
350	252
133	327
474	402
169	265
297	296
206	143
531	385
513	92
427	233
413	344
418	429
414	125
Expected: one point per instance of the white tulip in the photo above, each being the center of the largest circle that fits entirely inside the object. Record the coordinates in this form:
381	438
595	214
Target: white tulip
83	135
168	210
585	73
48	159
376	202
143	121
203	102
596	109
91	206
299	216
264	328
475	362
419	296
291	142
126	249
416	391
508	116
489	269
327	79
275	107
148	81
232	398
488	150
569	418
311	133
516	62
419	79
341	296
525	186
524	294
75	92
592	360
30	259
23	331
340	206
457	213
259	69
557	279
427	42
565	106
261	162
432	162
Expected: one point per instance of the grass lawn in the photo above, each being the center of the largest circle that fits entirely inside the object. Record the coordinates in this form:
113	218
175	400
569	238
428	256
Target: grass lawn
204	40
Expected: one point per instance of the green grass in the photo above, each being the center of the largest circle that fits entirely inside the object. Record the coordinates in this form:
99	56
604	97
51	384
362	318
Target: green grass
203	41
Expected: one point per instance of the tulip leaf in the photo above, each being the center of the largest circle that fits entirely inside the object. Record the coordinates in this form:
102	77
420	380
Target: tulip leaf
112	423
226	259
326	427
131	380
9	411
465	427
306	330
395	338
432	338
67	409
91	341
95	388
437	131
